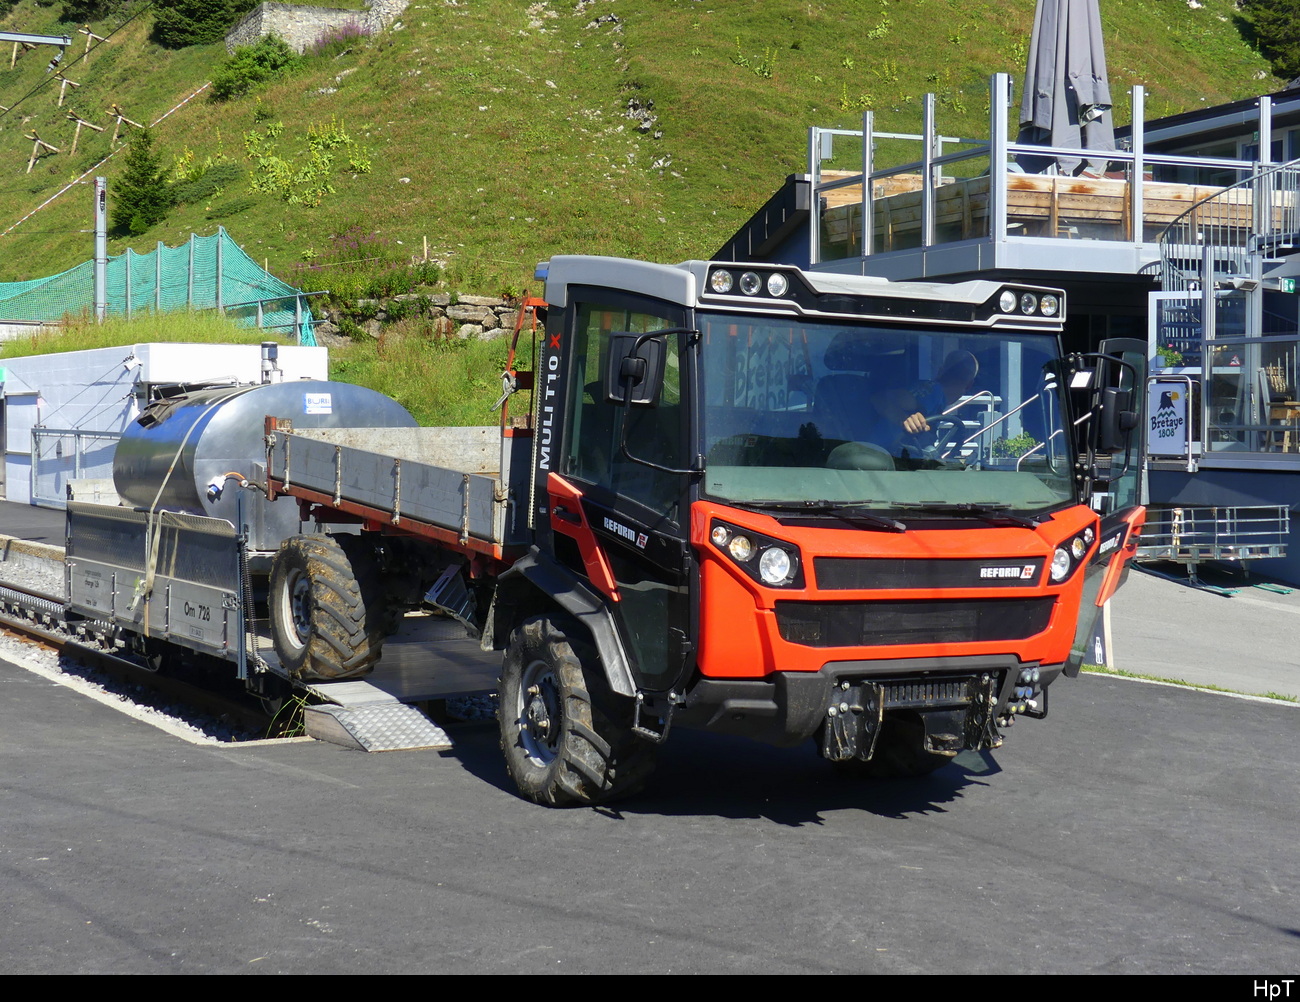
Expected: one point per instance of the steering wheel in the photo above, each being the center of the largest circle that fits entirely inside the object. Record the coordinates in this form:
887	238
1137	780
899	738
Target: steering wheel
945	431
859	456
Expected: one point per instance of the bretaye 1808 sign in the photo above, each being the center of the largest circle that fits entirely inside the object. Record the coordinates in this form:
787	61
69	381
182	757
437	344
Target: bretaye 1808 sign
1168	418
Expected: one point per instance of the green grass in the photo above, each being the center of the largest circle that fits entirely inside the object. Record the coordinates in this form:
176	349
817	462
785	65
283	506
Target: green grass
441	381
1100	670
81	334
498	129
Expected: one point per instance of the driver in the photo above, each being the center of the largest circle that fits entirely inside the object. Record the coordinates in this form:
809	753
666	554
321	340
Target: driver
904	410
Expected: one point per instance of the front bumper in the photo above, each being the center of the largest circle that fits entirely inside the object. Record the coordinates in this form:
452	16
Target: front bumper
960	697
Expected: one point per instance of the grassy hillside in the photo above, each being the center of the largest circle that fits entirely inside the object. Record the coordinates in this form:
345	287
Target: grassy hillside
441	381
498	129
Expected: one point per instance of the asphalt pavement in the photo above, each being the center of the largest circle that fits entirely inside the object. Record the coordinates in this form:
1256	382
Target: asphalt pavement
1138	829
1247	642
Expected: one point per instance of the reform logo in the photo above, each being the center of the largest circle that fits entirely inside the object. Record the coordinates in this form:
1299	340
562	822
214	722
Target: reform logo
1020	572
637	539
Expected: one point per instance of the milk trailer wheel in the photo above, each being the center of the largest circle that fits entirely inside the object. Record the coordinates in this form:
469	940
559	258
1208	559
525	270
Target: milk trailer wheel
328	608
563	736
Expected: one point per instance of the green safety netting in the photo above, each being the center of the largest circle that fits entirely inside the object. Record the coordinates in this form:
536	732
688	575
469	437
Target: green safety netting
202	274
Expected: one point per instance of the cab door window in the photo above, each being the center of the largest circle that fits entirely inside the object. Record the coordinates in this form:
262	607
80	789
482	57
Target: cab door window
595	425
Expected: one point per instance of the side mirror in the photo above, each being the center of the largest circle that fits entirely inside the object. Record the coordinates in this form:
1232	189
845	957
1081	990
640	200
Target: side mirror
1116	420
634	372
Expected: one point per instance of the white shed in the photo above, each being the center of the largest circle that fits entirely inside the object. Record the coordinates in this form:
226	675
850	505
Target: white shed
61	414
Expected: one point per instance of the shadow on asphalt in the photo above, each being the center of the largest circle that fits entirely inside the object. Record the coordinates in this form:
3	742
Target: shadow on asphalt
701	774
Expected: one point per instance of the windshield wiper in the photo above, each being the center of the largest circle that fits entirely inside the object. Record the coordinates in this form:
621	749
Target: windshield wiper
994	513
847	510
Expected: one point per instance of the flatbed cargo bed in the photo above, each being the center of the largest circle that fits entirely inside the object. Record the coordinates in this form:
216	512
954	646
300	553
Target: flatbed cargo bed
455	485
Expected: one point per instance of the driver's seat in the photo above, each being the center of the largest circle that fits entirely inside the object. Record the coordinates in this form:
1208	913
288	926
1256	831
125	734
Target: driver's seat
842	407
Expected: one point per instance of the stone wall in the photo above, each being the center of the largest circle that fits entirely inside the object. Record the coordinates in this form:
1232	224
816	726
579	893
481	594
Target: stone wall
300	25
483	317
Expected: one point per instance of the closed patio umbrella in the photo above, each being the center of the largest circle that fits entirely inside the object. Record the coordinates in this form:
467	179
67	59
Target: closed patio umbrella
1066	98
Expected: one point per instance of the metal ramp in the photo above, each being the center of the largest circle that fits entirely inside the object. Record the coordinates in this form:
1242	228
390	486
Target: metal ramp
372	721
429	657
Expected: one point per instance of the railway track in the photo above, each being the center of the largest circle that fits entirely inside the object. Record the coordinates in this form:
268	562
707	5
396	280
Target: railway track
34	618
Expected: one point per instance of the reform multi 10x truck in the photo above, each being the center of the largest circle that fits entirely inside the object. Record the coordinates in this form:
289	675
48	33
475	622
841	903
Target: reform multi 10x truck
752	499
757	500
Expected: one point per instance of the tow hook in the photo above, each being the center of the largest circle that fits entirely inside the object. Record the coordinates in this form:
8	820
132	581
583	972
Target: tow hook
853	714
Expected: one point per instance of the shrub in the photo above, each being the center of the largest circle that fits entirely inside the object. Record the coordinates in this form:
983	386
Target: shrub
253	66
301	177
230	207
337	40
178	23
207	183
82	11
350	329
1015	446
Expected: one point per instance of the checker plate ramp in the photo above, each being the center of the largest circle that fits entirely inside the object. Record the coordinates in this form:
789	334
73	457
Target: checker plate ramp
378	726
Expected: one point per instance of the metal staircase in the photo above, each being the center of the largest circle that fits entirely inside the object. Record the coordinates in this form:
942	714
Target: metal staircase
1222	250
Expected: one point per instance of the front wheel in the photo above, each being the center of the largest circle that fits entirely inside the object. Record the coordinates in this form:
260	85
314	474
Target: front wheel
563	734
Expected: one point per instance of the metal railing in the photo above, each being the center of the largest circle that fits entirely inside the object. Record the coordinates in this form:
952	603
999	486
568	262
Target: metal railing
965	193
60	455
1192	535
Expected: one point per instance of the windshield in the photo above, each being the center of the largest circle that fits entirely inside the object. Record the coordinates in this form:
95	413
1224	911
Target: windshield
819	414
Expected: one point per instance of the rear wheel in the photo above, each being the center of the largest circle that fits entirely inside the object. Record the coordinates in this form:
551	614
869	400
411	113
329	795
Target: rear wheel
564	737
329	613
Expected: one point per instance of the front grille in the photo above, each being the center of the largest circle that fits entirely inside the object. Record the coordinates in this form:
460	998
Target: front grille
877	624
843	573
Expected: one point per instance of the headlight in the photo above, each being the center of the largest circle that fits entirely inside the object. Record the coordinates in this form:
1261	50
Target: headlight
750	283
1028	303
1049	304
740	548
777	284
1007	301
1070	554
721	281
774	566
770	562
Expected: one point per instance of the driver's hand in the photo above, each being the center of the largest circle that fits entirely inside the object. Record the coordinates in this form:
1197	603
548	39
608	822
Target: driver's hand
915	423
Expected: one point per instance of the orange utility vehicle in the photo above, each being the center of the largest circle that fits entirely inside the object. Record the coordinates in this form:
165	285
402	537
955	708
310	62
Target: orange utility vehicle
790	505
